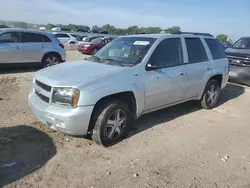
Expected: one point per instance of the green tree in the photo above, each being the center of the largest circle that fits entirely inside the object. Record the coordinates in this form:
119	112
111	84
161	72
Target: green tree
173	29
132	30
151	30
21	25
50	26
95	27
83	27
222	37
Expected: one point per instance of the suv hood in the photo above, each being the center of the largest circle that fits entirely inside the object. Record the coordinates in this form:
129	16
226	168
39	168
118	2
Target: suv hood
71	73
237	52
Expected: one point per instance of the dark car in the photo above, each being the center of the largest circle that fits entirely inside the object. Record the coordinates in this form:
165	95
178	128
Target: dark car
104	32
65	29
82	30
93	46
239	59
4	26
93	31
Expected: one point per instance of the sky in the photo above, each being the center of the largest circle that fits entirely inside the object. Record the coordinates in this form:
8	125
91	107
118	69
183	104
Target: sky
214	16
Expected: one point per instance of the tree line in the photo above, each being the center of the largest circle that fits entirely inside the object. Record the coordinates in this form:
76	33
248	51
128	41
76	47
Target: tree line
107	27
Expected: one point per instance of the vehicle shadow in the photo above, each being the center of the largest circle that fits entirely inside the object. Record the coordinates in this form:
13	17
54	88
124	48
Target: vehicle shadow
147	121
23	149
20	69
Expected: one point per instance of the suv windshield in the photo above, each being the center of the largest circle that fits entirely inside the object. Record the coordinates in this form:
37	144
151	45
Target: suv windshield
243	43
124	51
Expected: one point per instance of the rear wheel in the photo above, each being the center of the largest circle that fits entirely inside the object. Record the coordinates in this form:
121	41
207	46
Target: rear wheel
50	60
111	121
211	95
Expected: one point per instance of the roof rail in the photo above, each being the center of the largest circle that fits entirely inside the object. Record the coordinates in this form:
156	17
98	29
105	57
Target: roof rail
194	33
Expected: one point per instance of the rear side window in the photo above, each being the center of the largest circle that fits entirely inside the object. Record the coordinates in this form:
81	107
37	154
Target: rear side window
60	35
196	50
168	53
45	38
31	37
215	48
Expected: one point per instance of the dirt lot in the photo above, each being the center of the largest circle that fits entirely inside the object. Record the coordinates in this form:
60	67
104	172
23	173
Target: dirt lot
182	146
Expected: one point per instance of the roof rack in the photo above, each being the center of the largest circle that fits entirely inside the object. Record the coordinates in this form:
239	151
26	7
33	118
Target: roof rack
194	33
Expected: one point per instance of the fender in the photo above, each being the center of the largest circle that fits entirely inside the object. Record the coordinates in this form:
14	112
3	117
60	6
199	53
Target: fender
92	96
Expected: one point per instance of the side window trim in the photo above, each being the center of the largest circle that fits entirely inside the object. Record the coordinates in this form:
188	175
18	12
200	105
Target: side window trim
169	66
208	52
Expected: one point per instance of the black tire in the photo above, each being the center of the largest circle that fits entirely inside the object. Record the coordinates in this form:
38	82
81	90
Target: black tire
72	42
54	57
104	112
208	102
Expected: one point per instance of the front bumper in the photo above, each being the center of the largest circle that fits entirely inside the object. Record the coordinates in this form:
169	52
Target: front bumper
240	74
69	121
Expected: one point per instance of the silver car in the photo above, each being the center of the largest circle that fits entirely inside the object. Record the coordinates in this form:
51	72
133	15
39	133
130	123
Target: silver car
129	77
29	46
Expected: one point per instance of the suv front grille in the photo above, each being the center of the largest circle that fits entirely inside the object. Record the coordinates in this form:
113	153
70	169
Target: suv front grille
239	60
42	97
43	86
42	90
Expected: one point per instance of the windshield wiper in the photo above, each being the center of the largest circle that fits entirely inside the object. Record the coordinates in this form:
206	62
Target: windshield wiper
114	61
97	59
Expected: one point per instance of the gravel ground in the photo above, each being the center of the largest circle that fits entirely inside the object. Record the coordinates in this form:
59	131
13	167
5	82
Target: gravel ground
182	146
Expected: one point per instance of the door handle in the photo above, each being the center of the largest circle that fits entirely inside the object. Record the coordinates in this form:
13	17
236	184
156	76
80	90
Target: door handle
182	73
209	68
157	77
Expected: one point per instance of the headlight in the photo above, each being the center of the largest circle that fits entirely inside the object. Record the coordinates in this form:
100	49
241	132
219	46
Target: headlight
65	97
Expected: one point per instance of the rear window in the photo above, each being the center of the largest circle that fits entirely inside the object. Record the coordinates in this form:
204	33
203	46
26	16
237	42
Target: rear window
31	37
215	48
196	50
45	38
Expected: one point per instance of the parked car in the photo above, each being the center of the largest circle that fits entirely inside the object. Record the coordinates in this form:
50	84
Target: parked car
56	29
28	46
66	38
82	30
129	77
4	26
226	45
65	29
93	46
93	31
239	58
104	32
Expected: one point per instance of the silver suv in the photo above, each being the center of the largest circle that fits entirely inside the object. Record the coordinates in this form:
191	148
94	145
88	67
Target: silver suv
129	77
29	46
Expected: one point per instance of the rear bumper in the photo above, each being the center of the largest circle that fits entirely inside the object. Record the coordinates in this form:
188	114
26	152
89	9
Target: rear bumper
69	121
240	74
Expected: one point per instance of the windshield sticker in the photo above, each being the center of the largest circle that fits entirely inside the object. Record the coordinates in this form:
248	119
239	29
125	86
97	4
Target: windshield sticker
142	43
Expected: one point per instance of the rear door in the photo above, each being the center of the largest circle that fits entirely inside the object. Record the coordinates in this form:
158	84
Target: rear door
10	48
197	65
32	46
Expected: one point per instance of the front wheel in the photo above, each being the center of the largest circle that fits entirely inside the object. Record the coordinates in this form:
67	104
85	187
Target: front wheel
211	95
111	120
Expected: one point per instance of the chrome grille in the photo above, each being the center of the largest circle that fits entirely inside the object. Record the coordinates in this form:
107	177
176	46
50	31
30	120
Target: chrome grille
42	90
239	60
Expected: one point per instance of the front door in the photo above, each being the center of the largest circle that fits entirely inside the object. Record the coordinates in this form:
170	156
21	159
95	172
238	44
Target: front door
165	78
10	48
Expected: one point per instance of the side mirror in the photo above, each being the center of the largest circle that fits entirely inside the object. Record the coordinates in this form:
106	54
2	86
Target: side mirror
151	67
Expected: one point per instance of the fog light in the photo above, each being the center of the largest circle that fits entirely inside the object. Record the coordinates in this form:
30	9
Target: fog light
59	123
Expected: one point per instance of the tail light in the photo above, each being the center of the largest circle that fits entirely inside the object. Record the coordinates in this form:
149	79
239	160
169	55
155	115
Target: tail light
61	45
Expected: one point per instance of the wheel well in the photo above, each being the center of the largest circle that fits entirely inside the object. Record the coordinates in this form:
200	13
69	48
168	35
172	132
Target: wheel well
128	97
218	78
52	53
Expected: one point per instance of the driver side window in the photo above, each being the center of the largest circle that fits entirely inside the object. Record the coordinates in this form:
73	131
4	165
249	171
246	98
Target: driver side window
167	54
10	37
